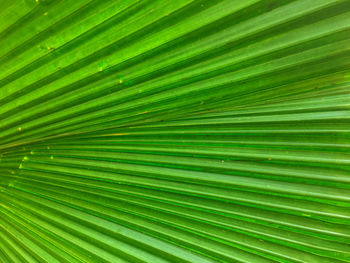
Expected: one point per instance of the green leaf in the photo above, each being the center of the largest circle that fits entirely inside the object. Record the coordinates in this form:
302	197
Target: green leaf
175	131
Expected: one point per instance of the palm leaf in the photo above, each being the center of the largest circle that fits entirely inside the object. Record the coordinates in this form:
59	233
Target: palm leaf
174	131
